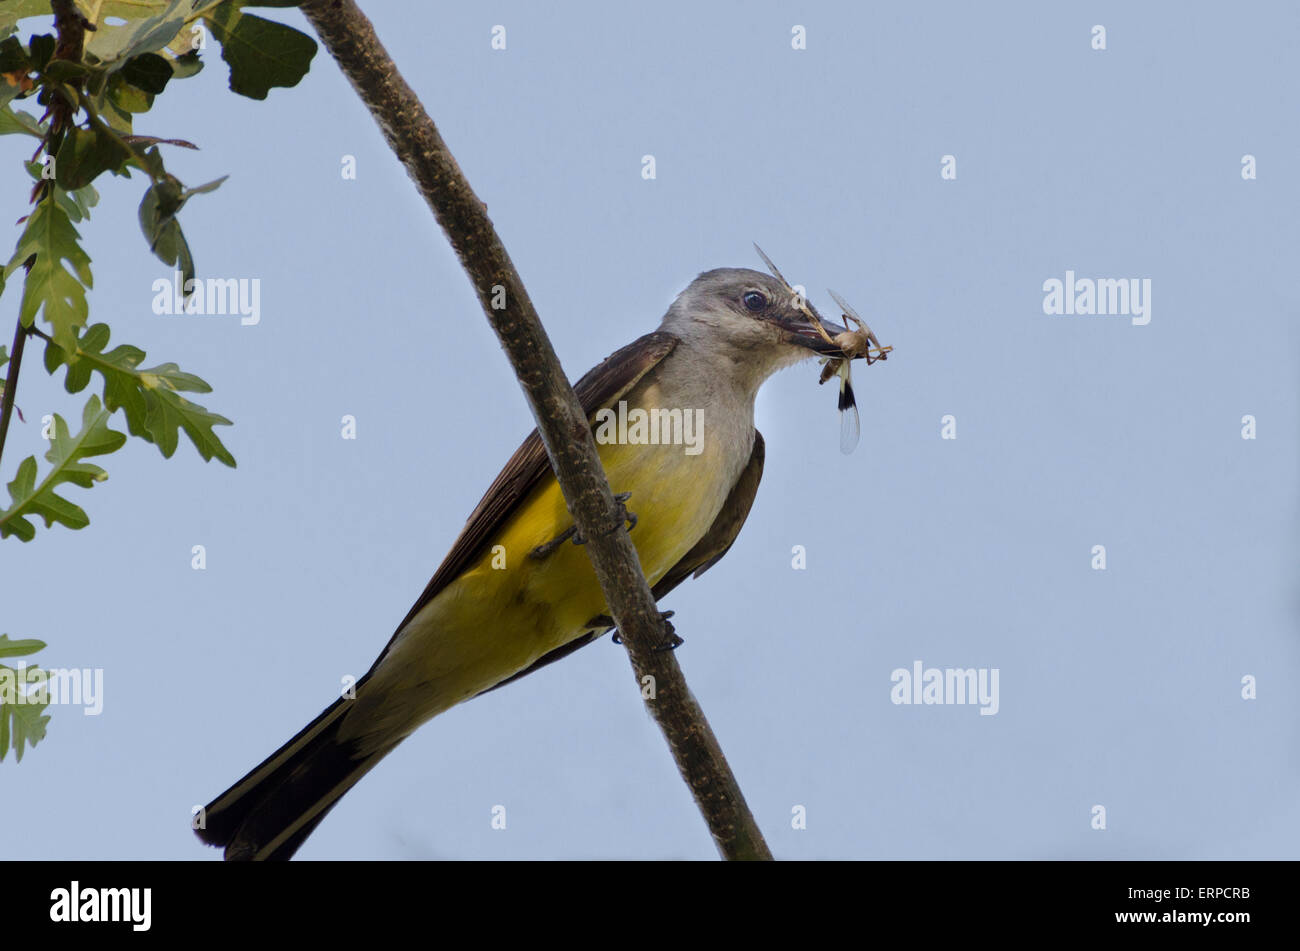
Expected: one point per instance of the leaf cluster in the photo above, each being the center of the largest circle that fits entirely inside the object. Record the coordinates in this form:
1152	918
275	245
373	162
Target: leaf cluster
21	724
93	90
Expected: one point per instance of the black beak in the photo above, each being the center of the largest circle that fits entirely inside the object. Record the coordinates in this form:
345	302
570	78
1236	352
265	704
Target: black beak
801	329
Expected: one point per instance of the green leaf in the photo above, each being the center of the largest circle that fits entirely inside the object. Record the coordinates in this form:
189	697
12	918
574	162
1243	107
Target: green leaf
85	154
24	722
158	210
151	161
150	398
10	648
186	65
204	188
7	92
40	48
16	120
13	57
65	70
65	456
11	11
76	203
262	53
148	71
161	229
50	288
125	97
112	46
138	10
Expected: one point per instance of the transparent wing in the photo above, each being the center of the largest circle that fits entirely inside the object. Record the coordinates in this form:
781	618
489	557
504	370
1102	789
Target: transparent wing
850	429
851	314
770	266
844	306
850	423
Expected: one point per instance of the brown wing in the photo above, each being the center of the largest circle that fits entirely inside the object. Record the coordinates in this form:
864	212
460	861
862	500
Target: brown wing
717	541
602	385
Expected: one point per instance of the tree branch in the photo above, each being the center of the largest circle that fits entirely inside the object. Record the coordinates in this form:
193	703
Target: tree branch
348	35
71	27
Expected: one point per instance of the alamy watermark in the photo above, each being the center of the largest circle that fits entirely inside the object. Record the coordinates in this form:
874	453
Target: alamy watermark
946	685
213	296
651	427
58	686
1102	297
77	903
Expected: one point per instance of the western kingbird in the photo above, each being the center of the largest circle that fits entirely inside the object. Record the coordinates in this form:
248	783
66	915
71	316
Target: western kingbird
513	595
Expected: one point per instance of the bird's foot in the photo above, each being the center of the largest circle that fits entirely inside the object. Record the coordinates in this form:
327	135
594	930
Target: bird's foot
670	642
546	548
628	518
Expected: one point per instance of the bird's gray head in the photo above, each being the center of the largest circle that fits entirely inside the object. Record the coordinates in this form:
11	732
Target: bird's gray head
747	316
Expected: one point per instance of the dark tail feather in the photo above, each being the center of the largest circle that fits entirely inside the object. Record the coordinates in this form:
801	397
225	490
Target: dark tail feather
270	812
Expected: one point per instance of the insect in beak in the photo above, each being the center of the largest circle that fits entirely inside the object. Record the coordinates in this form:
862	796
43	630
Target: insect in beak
858	341
847	345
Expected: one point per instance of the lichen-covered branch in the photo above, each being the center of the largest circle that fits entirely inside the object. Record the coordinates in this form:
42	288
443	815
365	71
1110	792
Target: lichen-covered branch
351	40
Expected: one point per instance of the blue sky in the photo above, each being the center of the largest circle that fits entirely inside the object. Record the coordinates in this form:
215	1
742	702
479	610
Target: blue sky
1119	687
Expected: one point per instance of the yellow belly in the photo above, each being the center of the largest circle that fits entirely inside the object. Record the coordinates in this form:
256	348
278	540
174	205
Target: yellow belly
508	609
670	497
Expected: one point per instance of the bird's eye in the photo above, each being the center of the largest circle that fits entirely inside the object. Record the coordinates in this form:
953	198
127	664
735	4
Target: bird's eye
754	301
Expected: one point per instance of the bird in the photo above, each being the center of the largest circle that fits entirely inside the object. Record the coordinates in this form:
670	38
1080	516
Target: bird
516	592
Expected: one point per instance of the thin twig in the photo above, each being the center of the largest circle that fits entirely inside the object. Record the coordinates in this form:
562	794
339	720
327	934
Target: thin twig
11	382
351	40
71	27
